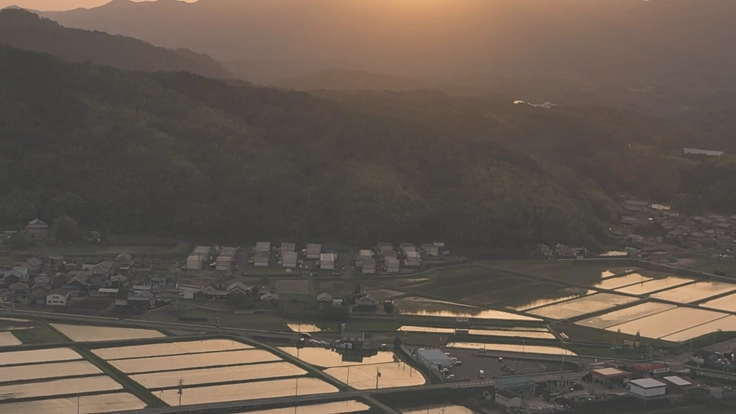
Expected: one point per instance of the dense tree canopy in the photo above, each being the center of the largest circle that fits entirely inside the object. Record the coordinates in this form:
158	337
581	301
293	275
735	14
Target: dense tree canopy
179	153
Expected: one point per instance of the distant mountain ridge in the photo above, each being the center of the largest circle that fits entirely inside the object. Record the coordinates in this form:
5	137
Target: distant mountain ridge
568	39
25	30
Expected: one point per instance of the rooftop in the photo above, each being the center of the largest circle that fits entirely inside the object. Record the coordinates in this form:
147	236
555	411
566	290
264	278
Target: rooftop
435	356
648	383
678	381
609	372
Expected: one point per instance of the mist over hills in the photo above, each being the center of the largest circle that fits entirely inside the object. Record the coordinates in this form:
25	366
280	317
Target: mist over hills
26	30
569	39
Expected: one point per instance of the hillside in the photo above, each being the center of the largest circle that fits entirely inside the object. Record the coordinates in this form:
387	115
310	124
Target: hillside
25	30
184	154
604	39
345	80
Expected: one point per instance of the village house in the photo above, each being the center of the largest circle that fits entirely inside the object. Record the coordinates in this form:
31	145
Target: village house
324	299
287	247
413	259
289	259
262	255
431	249
239	288
20	293
56	263
37	230
124	263
58	297
226	258
366	303
269	299
33	264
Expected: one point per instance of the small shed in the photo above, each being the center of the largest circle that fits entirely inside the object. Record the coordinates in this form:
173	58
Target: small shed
327	261
368	265
393	265
289	259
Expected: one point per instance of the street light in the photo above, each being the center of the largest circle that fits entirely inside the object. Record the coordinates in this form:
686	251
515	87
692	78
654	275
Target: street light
378	375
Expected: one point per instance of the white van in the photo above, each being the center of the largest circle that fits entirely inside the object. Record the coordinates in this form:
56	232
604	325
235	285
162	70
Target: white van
481	374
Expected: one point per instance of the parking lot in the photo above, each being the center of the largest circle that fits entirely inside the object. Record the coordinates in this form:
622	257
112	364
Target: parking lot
472	362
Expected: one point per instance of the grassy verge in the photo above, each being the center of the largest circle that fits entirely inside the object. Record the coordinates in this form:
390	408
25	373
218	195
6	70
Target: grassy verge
129	385
41	334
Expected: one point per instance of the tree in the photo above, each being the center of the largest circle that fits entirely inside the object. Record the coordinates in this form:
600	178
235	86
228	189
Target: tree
66	229
19	241
239	301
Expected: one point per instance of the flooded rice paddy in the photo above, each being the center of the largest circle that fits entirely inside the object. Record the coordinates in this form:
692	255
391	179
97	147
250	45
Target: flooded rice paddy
87	404
174	348
38	355
8	339
326	358
337	407
697	291
247	391
540	333
188	361
621	281
654	285
577	307
429	307
726	303
58	387
439	409
52	370
81	333
303	327
625	315
724	324
392	374
666	323
170	379
532	349
557	296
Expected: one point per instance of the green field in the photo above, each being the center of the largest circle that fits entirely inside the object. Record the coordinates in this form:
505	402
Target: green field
727	266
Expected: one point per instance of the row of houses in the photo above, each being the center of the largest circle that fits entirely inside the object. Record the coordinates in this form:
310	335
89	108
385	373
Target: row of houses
388	260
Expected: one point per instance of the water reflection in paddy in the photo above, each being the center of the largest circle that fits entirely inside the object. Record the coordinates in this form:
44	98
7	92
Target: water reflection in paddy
532	349
429	307
520	333
392	374
175	348
164	363
726	303
549	298
303	327
8	339
654	285
38	355
58	387
53	370
694	292
170	379
337	407
577	307
620	281
247	391
82	333
724	324
625	315
87	404
327	358
668	322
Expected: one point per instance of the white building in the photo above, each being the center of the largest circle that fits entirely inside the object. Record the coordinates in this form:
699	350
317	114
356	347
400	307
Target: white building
58	297
647	388
431	249
507	399
407	247
393	265
433	359
368	265
313	250
365	254
385	246
225	259
413	259
262	254
327	261
289	259
196	259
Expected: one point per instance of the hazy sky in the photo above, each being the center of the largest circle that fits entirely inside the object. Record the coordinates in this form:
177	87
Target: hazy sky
49	5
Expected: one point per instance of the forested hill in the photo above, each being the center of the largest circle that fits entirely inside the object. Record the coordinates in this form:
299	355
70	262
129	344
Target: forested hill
25	30
176	152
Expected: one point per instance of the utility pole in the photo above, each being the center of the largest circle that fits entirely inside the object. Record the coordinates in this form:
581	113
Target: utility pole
378	375
77	404
180	392
347	381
